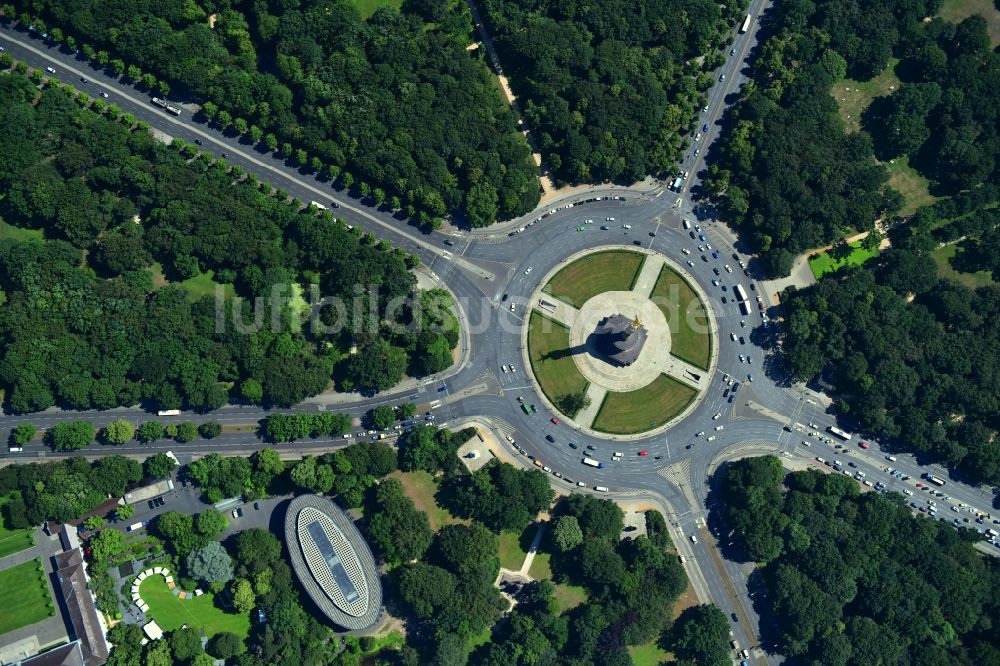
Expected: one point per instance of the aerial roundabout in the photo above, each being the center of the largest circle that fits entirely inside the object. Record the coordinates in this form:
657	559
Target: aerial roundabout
619	341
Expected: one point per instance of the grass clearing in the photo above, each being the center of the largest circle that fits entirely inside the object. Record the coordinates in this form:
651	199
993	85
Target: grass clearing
540	568
648	654
686	317
196	287
366	8
10	232
853	97
942	257
420	487
645	408
956	10
27	596
13	540
569	596
171	612
554	367
614	270
511	554
824	263
914	187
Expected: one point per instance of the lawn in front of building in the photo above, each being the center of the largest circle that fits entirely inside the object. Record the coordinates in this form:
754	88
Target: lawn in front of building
26	596
690	337
581	280
13	540
645	408
171	612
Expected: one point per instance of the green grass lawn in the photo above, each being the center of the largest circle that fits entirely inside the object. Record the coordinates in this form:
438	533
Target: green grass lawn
914	187
956	10
690	339
614	270
569	596
13	541
648	654
420	487
645	408
511	554
172	613
557	376
26	597
942	257
853	97
9	231
368	7
540	568
823	263
196	287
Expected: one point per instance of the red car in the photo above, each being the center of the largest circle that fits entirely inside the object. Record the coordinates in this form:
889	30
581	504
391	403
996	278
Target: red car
863	445
644	452
920	485
554	420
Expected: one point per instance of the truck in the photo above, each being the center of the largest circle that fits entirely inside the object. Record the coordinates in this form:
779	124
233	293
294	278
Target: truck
173	109
524	408
746	24
137	526
677	183
933	479
593	463
162	103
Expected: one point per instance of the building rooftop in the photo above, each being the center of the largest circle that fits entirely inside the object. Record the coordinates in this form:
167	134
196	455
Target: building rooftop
70	654
83	614
333	562
620	339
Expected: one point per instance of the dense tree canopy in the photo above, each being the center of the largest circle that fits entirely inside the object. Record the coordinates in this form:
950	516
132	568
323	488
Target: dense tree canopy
84	180
499	495
855	579
608	87
397	100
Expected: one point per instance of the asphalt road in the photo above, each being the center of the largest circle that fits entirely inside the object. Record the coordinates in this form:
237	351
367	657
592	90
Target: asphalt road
480	268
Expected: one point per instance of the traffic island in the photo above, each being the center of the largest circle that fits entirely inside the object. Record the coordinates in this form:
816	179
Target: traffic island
619	342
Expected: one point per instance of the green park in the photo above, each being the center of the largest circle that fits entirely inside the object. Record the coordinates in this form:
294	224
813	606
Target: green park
171	612
553	365
13	540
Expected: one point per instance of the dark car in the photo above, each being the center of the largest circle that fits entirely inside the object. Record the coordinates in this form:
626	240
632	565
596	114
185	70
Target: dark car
256	506
724	300
742	340
716	271
504	297
590	447
704	128
635	242
449	242
550	438
572	445
735	618
657	457
150	504
604	228
652	234
704	258
692	234
225	156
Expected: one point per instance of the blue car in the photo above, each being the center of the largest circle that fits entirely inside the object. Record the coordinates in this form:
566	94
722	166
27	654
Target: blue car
705	127
701	237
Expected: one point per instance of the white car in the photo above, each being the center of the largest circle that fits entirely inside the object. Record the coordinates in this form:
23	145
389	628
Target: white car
717	428
512	368
581	484
50	70
348	436
729	269
527	270
504	368
697	137
510	439
610	219
685	250
104	94
690	263
699	434
712	438
588	221
733	336
626	226
743	359
511	307
694	538
717	416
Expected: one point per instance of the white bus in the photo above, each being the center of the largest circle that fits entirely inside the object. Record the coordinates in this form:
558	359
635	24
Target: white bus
741	293
602	489
169	412
746	24
593	463
318	205
837	432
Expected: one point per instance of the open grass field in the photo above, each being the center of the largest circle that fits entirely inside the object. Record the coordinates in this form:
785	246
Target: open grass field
648	654
9	231
569	596
26	597
420	487
557	376
645	408
511	554
824	263
690	339
956	10
915	188
368	7
13	541
942	257
853	97
540	568
172	613
614	270
196	287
